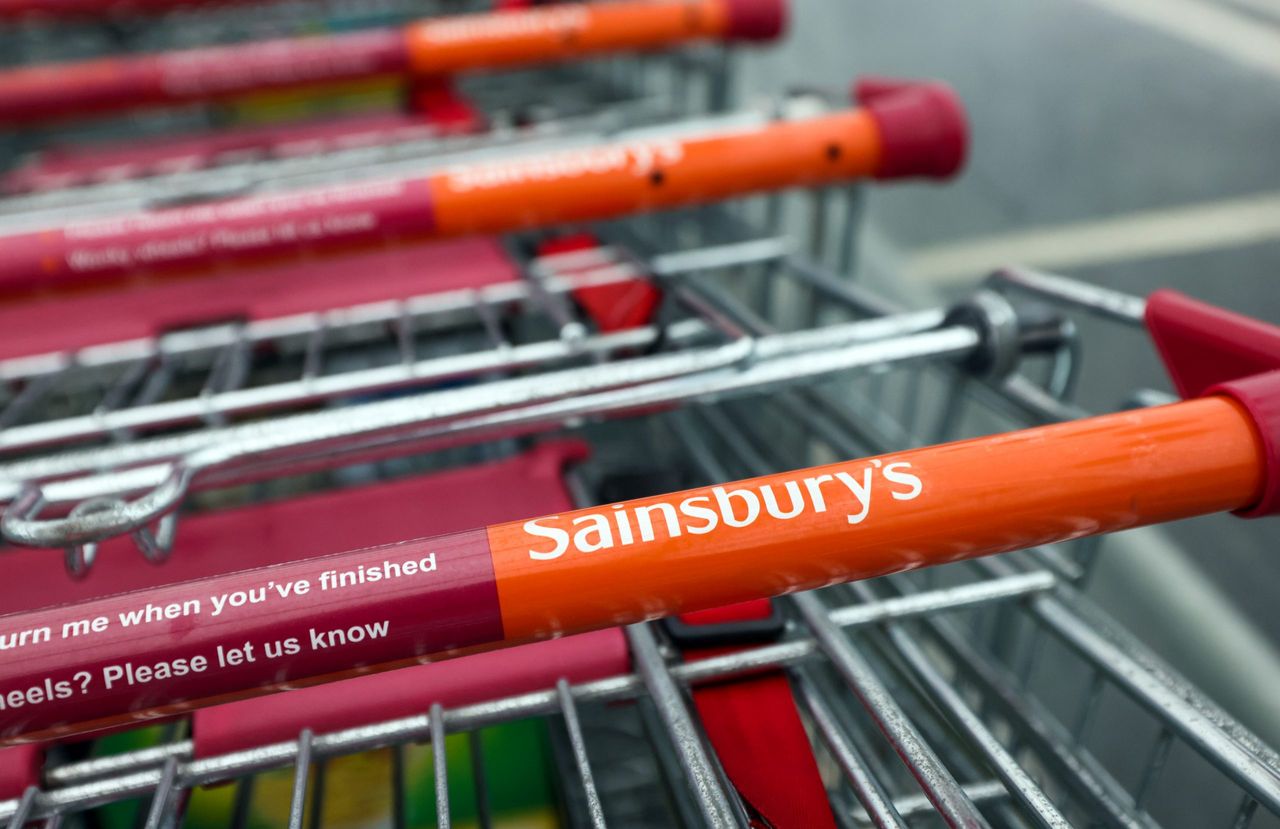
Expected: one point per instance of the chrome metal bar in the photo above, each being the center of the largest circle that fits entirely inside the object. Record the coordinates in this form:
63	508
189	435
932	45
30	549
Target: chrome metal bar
492	327
36	388
403	326
71	774
870	791
240	808
24	807
1104	302
1158	756
692	374
440	764
1088	707
1244	815
942	789
313	362
479	776
1036	727
214	404
569	711
159	811
319	782
221	404
399	819
992	791
118	393
1020	784
951	598
1186	719
719	257
710	794
301	774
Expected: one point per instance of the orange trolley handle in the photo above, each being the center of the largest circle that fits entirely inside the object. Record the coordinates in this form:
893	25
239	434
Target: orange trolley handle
441	46
79	667
902	130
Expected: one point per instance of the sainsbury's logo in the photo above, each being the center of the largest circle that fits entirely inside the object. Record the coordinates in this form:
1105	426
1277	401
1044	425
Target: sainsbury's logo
733	506
638	158
498	26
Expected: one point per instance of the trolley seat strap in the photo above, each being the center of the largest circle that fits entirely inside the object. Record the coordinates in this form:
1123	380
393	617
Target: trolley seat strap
752	722
437	97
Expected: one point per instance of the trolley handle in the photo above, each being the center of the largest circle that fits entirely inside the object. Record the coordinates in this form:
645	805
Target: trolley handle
433	47
1206	350
1210	352
916	129
528	580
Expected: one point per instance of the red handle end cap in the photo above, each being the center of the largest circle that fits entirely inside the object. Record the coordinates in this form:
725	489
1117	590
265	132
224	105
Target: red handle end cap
923	128
756	19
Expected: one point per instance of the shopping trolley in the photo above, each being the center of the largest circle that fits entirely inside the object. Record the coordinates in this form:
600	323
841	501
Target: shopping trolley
901	130
982	691
410	68
41	12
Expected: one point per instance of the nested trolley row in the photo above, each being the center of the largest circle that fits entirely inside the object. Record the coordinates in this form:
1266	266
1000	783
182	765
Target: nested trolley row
620	360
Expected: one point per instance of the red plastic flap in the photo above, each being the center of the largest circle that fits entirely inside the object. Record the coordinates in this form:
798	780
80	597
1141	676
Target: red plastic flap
614	307
19	769
756	730
439	100
63	321
314	525
621	305
1203	345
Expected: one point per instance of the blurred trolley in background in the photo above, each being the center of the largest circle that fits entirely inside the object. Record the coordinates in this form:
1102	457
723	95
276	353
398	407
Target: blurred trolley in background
183	124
